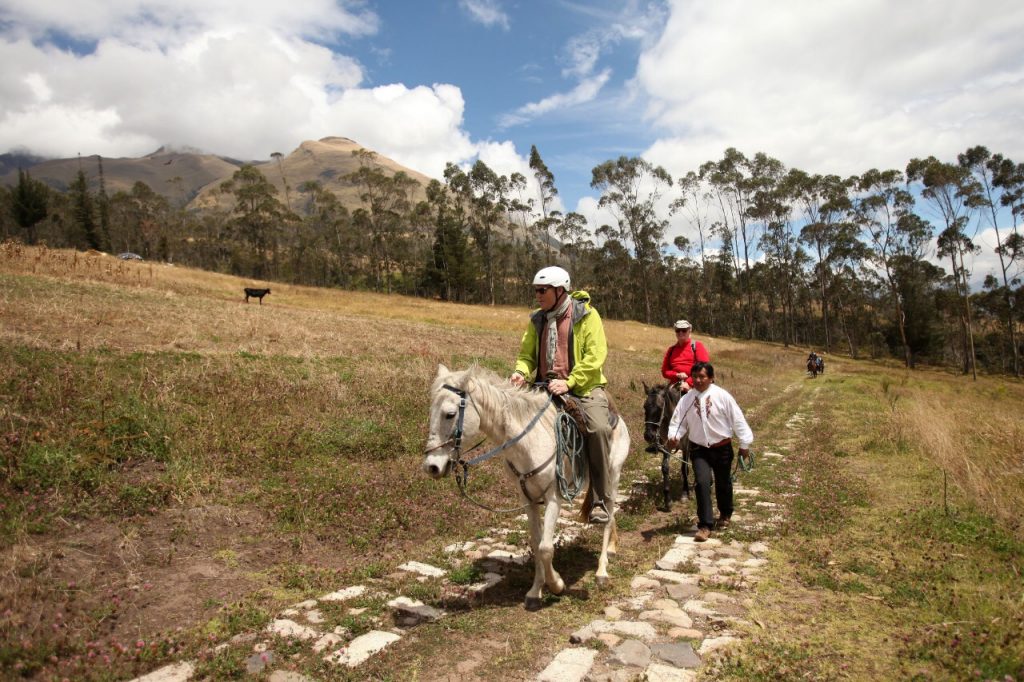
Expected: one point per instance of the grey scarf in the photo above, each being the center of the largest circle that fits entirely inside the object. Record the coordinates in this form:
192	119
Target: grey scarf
552	331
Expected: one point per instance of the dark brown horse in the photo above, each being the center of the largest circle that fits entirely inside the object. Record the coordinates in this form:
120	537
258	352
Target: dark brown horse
659	404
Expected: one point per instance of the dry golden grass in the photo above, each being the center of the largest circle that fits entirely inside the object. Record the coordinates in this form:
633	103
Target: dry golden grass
191	315
974	432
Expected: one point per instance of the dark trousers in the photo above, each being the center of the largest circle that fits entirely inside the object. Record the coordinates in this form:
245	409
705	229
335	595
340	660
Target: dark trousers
708	461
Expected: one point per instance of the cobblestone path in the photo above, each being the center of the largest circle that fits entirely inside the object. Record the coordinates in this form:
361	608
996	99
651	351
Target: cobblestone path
689	606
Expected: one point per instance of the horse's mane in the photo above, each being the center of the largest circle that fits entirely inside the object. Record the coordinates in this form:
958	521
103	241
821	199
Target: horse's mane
496	395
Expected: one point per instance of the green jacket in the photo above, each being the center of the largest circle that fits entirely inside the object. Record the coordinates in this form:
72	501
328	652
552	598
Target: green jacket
589	347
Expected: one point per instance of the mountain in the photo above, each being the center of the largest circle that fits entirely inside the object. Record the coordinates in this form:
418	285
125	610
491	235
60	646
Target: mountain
192	178
12	161
326	161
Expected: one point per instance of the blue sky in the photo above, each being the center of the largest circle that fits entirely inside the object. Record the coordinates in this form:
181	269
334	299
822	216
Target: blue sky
526	70
830	87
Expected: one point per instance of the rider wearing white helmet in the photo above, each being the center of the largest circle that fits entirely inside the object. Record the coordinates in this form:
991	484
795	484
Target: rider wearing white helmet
565	345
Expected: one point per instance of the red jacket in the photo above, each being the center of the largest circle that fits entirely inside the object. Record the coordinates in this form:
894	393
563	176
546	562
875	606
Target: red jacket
681	360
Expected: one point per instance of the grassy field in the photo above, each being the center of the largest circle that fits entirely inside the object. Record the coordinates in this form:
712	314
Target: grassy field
176	466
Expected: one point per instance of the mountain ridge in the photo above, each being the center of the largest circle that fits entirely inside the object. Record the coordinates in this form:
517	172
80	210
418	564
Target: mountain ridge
190	178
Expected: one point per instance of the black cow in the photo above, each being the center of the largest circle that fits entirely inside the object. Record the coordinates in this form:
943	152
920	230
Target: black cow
256	293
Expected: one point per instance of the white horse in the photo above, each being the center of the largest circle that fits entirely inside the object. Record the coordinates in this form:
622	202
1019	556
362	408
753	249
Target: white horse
494	407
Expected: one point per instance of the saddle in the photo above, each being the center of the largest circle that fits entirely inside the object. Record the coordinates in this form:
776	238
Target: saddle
570	404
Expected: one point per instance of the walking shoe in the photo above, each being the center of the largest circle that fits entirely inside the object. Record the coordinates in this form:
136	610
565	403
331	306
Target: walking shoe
722	523
598	515
702	535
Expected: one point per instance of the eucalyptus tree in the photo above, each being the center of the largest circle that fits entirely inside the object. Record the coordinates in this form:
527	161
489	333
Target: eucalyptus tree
613	282
952	190
547	193
994	174
894	234
572	232
284	181
29	202
828	230
771	205
730	180
138	222
326	216
630	189
521	258
257	219
387	201
449	271
693	203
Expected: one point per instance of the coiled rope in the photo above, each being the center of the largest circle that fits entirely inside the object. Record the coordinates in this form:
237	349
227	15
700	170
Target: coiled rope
569	457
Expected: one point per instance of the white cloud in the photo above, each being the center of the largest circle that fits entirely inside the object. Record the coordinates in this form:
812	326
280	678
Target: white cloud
835	87
486	12
206	76
242	93
417	127
586	91
164	22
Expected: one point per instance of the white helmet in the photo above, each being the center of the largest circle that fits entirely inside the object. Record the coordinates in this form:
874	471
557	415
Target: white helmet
552	276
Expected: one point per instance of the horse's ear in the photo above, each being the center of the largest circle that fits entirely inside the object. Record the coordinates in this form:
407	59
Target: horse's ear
647	388
442	370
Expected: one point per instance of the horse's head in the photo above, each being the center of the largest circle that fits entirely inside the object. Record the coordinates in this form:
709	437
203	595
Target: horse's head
452	421
654	407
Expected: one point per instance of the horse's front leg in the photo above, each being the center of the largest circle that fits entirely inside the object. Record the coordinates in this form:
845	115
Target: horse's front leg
665	486
546	551
609	546
533	596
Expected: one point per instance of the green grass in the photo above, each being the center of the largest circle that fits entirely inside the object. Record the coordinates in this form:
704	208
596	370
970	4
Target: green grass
882	578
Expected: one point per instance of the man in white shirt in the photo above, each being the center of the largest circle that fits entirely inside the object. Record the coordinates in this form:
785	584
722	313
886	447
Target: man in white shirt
710	417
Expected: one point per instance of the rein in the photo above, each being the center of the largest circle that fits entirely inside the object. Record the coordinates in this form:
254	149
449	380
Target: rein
462	477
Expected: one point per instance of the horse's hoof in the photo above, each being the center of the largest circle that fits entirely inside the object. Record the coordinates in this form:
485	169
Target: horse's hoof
533	604
603	580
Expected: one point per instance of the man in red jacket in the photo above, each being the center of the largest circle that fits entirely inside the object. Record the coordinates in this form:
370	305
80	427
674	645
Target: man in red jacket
679	358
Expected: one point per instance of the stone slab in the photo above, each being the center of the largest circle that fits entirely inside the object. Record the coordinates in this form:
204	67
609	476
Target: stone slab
422	569
363	647
659	672
290	629
345	594
176	672
569	665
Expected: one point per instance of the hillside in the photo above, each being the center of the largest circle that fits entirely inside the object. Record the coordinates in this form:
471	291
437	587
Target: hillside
192	178
178	176
179	469
325	161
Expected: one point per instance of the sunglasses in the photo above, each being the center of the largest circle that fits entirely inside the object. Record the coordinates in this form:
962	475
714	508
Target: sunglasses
541	290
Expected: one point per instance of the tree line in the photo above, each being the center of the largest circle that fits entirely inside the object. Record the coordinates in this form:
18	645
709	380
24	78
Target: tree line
842	264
